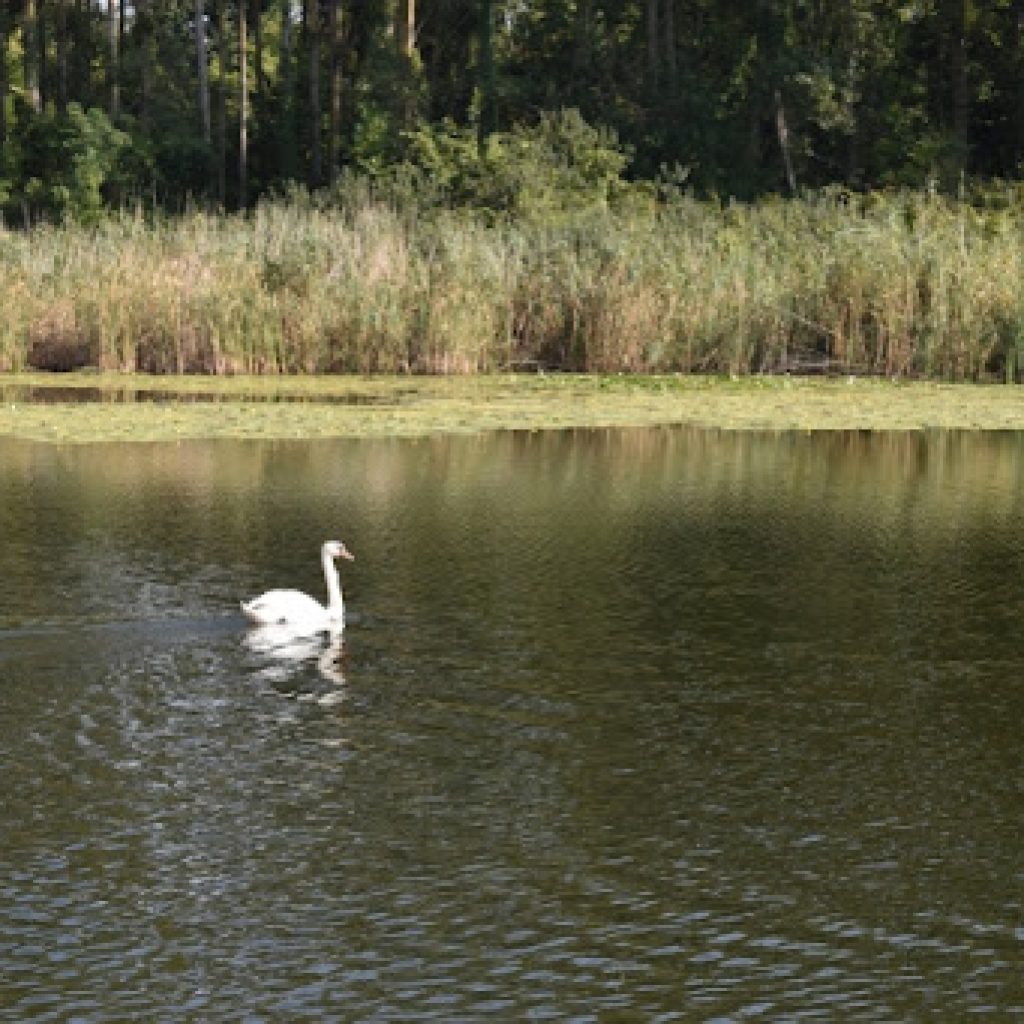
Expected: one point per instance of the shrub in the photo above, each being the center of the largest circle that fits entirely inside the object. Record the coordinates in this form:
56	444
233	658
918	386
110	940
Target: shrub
62	163
550	172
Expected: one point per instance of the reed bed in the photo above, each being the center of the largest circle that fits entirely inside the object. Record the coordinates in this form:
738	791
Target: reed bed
907	285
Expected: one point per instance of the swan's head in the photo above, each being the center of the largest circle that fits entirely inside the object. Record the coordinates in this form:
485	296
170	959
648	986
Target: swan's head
336	549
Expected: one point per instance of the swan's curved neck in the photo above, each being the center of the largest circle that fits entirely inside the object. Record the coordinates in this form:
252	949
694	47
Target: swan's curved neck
335	602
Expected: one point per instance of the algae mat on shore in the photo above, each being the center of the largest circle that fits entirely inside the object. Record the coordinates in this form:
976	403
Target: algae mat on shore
91	407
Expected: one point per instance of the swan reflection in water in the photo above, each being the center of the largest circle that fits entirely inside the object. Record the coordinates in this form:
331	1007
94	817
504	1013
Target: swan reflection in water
286	652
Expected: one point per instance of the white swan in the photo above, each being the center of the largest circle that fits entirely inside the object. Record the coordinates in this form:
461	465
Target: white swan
298	611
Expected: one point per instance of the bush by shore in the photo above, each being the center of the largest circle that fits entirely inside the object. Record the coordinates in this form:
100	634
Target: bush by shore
898	285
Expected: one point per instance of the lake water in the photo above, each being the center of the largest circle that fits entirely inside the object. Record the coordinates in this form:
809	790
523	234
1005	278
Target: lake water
638	725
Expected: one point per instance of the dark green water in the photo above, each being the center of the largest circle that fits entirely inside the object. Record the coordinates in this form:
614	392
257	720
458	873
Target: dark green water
645	725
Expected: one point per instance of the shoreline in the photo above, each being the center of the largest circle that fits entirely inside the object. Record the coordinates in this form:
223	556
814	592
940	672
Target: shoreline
136	407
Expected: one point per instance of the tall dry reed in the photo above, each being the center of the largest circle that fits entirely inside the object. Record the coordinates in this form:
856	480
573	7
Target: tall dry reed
897	285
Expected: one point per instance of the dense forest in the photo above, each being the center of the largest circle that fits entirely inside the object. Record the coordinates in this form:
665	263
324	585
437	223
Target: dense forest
303	186
222	101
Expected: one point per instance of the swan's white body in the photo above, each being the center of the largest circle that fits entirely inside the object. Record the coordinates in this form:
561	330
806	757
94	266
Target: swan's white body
298	611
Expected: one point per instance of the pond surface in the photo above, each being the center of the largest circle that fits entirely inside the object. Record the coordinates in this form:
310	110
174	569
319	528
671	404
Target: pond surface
638	725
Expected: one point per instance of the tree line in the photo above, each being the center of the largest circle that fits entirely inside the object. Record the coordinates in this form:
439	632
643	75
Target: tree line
225	100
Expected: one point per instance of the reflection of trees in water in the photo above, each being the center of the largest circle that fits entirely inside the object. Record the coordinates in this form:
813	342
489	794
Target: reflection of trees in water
201	524
881	469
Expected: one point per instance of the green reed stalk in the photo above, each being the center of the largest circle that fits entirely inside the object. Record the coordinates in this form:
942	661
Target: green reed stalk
896	284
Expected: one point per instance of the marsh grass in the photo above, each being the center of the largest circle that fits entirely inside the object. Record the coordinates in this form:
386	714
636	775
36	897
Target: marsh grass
905	285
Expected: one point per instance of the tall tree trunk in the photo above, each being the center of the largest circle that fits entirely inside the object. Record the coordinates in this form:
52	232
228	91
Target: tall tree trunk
222	102
80	56
261	83
853	40
1019	65
147	43
287	141
113	57
408	59
782	132
5	86
652	45
582	30
961	93
30	34
334	126
405	28
671	62
486	85
43	52
243	107
62	56
315	111
203	68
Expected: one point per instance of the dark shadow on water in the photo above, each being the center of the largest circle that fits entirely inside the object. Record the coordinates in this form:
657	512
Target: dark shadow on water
57	395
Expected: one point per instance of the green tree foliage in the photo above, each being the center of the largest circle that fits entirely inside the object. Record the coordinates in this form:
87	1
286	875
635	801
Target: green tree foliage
746	97
64	164
555	170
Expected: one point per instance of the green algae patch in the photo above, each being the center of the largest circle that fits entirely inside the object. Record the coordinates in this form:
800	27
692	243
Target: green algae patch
90	407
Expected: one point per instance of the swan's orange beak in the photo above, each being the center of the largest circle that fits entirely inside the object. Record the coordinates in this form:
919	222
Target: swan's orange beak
346	554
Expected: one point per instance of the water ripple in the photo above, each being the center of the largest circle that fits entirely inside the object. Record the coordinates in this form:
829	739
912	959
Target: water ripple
620	728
